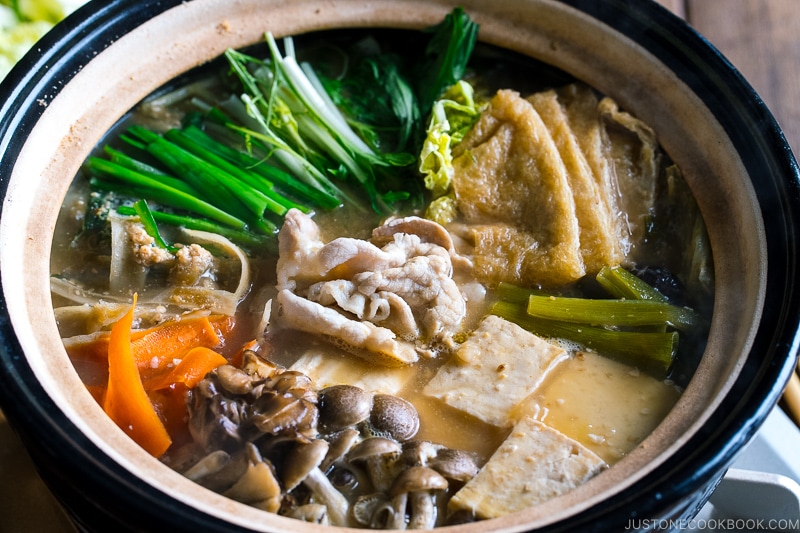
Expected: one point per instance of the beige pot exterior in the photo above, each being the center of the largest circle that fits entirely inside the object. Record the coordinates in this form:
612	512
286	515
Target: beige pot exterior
75	119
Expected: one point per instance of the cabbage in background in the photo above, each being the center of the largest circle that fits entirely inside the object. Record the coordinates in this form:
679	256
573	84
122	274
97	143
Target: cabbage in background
23	22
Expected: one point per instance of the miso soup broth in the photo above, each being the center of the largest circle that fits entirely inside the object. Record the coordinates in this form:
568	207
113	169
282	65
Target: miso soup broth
333	279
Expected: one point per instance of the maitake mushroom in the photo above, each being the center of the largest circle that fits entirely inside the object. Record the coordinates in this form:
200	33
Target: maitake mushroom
265	436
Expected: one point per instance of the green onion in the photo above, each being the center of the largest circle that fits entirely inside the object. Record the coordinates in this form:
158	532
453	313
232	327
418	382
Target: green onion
243	238
275	203
165	194
146	217
282	179
150	171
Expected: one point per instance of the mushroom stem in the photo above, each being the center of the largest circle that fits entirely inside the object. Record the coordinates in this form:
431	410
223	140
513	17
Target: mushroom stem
397	519
423	510
326	494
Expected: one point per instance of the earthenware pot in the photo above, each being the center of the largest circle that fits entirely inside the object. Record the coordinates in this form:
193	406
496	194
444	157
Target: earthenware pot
88	72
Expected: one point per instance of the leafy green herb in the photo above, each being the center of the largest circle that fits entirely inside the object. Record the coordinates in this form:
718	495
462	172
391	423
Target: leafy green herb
146	216
448	54
296	115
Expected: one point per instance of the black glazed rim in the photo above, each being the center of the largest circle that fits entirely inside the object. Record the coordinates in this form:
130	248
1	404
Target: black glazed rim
101	494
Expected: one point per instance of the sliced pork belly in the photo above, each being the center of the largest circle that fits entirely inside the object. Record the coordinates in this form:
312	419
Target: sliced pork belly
395	301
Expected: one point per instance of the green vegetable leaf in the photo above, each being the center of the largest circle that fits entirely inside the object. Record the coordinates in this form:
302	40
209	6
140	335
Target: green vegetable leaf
448	53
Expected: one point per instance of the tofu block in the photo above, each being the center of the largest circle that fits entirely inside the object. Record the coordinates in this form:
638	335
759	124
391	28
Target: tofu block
496	368
534	464
327	369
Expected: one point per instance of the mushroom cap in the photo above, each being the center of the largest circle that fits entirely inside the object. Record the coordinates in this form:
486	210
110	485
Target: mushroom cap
342	406
301	460
419	452
457	465
258	367
395	416
418	479
234	380
373	447
340	444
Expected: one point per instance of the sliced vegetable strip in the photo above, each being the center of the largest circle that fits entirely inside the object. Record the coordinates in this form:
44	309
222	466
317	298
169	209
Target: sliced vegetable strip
124	160
274	202
653	351
146	216
126	401
620	313
278	177
166	195
194	366
622	284
244	238
158	347
218	187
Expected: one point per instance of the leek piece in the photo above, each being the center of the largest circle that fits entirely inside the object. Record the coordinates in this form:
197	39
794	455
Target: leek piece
623	284
283	180
244	238
650	351
146	217
617	312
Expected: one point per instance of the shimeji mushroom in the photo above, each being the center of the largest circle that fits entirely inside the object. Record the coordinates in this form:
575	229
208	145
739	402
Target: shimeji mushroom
377	455
394	416
257	486
314	513
342	406
455	465
414	488
340	443
302	466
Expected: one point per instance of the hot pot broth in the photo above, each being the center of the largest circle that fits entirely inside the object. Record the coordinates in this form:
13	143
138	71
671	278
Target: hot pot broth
260	426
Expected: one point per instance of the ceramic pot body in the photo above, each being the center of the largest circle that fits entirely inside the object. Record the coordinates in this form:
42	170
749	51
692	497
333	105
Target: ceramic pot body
90	71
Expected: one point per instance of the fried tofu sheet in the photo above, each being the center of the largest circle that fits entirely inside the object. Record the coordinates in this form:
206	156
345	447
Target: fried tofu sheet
537	180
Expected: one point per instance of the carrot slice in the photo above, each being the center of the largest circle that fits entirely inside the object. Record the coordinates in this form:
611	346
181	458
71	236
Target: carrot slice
194	366
158	347
126	401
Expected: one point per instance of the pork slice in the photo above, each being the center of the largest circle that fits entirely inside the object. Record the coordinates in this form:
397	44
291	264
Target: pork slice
533	465
365	339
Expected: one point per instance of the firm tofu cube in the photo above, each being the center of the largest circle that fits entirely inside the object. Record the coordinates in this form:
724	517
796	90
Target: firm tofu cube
496	368
326	369
534	464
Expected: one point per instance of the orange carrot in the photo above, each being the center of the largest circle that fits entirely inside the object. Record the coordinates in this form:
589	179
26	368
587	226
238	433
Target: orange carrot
194	366
126	401
238	359
157	347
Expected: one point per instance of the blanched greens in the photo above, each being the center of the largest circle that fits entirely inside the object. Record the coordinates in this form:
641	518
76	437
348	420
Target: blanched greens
290	137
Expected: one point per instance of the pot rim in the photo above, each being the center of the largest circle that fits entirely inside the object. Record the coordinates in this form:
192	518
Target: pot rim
40	76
